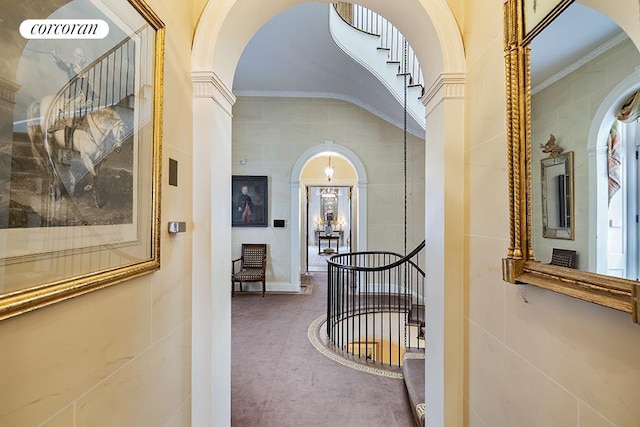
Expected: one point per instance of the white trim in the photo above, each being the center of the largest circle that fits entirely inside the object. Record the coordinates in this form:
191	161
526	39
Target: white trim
211	296
452	87
272	287
296	198
206	84
597	141
224	28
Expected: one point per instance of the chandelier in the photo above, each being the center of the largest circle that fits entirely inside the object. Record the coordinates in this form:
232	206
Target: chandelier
329	170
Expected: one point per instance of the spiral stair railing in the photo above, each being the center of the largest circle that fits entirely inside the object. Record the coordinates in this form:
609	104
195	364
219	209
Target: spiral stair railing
391	40
375	307
99	85
108	80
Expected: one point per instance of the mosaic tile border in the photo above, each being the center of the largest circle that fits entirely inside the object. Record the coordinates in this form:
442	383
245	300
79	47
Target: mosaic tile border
315	332
413	355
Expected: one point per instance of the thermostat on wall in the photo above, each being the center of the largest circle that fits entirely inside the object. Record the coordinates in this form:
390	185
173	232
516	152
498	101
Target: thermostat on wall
177	227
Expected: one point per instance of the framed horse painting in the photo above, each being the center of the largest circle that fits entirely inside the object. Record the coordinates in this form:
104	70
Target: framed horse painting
80	114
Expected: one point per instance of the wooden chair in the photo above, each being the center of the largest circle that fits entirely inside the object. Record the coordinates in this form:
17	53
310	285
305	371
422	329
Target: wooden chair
252	265
564	258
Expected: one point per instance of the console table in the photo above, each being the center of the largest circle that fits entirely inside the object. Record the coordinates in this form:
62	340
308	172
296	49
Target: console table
339	233
329	238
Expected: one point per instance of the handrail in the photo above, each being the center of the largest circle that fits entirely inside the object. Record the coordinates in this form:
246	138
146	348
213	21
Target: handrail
391	39
106	81
375	306
402	260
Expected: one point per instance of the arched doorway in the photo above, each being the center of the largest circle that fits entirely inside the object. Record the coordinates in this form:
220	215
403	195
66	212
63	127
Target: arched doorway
599	242
297	194
224	30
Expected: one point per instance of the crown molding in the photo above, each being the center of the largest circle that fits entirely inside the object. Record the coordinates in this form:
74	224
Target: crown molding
612	42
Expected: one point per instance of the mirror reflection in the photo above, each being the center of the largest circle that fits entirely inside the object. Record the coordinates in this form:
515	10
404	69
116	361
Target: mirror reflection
584	91
557	194
329	211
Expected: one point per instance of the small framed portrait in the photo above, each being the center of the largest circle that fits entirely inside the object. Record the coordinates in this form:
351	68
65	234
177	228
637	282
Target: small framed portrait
249	196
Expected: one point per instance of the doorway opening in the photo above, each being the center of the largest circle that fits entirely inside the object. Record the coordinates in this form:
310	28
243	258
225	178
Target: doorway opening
329	224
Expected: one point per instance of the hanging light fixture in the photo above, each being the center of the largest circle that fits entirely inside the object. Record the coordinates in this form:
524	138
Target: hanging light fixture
329	170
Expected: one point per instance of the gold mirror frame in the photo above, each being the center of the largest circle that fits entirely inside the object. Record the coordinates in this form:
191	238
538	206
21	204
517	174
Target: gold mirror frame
520	266
564	228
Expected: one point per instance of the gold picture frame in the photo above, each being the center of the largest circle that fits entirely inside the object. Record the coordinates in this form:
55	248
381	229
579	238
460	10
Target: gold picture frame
80	143
536	14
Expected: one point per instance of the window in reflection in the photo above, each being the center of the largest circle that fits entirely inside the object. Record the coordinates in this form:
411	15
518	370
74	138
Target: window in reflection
623	234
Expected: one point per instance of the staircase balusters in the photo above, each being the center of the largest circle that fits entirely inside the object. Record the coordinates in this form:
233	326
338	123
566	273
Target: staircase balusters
375	305
391	39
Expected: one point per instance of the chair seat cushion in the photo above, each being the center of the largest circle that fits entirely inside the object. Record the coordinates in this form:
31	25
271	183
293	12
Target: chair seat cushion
248	274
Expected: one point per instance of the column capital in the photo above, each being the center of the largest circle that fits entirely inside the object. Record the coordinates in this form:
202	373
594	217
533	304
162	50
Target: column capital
206	84
447	86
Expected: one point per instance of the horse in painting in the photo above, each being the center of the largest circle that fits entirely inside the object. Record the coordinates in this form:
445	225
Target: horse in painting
89	137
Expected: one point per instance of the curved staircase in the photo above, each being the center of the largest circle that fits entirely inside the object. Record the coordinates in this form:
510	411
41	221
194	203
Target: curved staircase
374	43
376	315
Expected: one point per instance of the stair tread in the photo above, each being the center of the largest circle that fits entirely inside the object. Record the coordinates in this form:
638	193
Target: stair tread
413	371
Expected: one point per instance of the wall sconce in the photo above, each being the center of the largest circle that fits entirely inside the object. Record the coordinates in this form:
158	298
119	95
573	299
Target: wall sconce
329	170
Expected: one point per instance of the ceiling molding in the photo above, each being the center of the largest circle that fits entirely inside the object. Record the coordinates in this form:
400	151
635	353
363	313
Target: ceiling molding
612	42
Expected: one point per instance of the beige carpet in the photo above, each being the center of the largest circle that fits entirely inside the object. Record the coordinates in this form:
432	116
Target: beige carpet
318	262
278	379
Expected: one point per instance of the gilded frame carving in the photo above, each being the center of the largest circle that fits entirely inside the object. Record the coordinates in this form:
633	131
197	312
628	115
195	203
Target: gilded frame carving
93	219
520	266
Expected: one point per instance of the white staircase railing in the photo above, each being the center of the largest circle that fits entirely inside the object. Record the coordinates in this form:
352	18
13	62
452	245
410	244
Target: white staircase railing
378	46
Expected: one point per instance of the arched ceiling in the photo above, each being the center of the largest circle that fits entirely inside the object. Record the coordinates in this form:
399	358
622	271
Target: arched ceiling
229	26
293	55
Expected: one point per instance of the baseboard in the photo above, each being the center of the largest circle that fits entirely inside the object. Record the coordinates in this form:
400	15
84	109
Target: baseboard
280	287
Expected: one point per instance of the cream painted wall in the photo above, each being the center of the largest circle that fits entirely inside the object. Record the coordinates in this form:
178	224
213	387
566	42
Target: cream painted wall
535	358
271	133
120	356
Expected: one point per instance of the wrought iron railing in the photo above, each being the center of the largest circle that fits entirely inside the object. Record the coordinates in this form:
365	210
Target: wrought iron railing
391	39
375	308
107	81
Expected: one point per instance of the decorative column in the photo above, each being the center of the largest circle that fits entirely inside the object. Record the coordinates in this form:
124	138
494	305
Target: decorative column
445	250
211	299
